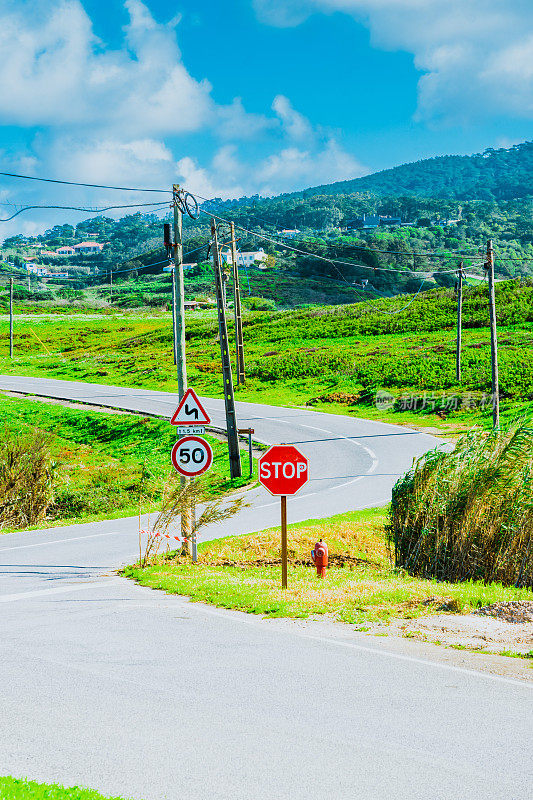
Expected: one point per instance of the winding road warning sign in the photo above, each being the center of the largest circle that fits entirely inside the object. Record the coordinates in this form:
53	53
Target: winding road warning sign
190	411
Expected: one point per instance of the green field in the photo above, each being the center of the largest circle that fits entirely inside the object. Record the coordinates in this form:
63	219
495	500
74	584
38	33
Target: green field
333	358
108	463
362	586
20	789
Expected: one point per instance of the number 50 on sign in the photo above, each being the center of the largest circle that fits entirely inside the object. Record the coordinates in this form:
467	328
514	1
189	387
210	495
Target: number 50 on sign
191	456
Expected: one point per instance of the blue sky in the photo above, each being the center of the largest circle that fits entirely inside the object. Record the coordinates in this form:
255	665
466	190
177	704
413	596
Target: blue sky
252	95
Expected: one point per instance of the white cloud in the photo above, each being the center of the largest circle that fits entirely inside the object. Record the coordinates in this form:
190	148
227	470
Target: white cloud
233	121
216	181
296	168
476	56
290	169
295	124
119	115
54	72
108	161
309	157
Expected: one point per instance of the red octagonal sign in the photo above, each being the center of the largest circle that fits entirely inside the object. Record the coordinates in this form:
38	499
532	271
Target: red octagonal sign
283	469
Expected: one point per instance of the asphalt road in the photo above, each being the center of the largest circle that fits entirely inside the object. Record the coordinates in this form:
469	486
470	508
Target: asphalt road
132	692
354	463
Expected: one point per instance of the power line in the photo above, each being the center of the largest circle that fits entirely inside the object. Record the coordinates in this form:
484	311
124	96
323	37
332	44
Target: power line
360	246
81	278
87	210
520	258
373	249
425	273
333	262
145	266
208	200
369	248
131	269
354	288
252	233
87	185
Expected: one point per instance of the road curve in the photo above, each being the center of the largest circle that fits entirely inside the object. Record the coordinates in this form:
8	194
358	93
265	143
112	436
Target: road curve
134	692
354	463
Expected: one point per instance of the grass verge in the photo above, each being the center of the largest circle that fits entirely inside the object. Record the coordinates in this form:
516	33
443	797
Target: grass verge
361	586
20	789
105	463
334	359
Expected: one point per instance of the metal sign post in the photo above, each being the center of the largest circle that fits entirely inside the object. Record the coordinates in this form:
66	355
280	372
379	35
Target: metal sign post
193	527
191	456
249	431
283	541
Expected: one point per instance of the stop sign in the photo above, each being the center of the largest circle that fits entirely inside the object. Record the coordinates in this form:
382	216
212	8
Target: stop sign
283	469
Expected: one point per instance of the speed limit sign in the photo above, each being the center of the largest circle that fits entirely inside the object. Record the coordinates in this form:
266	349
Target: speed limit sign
191	456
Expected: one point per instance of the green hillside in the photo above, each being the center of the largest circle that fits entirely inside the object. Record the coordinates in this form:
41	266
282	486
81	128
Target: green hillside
503	174
336	358
443	210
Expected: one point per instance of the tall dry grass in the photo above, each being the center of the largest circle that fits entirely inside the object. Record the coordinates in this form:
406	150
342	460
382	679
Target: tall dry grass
468	514
184	500
26	478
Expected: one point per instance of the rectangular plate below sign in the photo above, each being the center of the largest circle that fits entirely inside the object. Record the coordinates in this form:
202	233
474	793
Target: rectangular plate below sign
195	430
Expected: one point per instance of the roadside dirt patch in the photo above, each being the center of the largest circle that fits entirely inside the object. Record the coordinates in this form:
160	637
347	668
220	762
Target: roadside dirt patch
273	561
499	628
513	611
56	401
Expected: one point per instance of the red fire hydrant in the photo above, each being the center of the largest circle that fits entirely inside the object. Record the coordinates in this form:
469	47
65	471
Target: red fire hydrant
320	558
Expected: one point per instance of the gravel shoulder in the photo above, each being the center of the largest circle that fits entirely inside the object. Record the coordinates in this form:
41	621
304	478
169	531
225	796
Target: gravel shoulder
400	641
499	628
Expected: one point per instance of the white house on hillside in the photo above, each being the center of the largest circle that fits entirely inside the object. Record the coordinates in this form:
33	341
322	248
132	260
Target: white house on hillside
170	267
88	247
246	259
36	269
290	233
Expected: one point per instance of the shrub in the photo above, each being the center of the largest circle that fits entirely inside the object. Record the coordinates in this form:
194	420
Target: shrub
26	478
259	303
468	514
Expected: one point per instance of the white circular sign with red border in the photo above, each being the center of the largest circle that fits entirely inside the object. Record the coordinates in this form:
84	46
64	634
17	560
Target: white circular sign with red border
191	456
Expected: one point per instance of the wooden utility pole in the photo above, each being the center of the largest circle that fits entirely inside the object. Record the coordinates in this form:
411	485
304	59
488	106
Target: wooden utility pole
489	266
11	317
229	399
178	316
459	322
168	248
174	327
239	342
179	304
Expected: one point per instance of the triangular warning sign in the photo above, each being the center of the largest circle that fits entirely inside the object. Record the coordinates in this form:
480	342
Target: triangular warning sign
190	411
